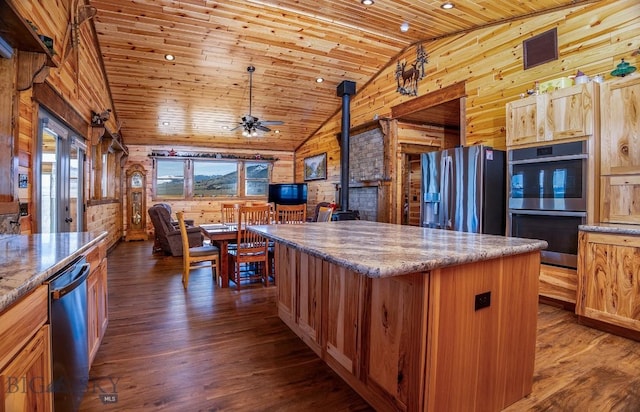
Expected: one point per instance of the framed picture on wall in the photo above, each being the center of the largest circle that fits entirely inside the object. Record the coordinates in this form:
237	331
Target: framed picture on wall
315	167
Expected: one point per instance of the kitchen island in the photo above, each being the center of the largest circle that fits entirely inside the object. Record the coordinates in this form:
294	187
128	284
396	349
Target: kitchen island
413	318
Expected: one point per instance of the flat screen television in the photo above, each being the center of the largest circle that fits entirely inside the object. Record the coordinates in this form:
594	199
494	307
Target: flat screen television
288	193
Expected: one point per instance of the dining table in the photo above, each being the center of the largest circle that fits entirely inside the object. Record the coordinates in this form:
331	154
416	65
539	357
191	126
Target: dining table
221	234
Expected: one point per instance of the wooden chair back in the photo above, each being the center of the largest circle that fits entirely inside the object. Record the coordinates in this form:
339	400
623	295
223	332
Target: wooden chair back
324	214
291	214
195	257
230	213
251	247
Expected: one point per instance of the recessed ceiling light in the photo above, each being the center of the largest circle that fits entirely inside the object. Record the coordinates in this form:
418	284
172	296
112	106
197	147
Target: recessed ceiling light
165	123
367	2
319	80
448	5
169	57
225	127
404	27
277	131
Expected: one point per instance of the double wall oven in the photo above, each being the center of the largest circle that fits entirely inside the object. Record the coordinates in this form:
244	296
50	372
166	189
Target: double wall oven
548	197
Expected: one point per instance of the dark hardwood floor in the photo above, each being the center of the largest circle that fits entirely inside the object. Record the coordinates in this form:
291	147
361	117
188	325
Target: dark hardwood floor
211	349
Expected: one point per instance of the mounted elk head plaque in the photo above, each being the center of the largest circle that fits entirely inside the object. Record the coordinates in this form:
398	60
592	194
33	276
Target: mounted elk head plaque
408	74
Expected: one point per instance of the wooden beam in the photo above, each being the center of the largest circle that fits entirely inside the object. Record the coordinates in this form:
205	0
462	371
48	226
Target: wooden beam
453	92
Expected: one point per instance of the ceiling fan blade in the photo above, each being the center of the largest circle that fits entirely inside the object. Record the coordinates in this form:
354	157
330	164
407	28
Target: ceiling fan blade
235	128
272	122
261	127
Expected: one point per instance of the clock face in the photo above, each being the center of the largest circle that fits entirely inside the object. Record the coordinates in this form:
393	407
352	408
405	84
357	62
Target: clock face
136	180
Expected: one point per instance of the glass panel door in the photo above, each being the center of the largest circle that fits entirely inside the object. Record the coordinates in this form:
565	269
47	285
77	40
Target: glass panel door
60	170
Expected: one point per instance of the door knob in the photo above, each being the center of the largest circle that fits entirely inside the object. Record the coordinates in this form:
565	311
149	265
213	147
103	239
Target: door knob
68	220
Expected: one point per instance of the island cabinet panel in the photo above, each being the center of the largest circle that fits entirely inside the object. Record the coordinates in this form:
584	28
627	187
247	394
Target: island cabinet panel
609	281
309	299
300	293
393	326
286	264
481	359
343	310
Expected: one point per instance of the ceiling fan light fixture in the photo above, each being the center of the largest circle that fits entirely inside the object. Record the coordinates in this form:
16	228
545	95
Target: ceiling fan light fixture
254	133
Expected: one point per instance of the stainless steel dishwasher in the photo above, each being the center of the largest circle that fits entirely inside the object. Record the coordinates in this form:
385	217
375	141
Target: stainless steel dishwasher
69	336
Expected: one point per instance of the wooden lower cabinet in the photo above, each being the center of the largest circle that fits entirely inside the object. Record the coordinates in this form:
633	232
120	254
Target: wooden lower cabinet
609	282
97	298
559	283
25	355
415	342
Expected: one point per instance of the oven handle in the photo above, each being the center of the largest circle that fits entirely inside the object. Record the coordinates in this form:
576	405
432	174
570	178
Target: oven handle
549	159
546	213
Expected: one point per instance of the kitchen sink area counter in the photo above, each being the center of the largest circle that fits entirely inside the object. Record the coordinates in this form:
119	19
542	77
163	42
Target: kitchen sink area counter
26	261
412	318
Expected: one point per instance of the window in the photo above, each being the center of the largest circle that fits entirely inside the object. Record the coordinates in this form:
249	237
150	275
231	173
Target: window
257	179
215	178
170	178
197	178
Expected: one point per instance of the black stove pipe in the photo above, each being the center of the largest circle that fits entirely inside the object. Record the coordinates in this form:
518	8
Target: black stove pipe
345	90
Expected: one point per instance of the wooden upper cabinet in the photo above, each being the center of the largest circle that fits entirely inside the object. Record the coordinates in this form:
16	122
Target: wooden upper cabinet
524	124
567	113
570	111
621	126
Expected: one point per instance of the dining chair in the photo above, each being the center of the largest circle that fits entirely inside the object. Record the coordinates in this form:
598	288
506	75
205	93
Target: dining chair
194	257
291	213
230	213
324	214
252	248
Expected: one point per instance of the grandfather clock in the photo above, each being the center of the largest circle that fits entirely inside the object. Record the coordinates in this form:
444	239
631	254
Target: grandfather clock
136	226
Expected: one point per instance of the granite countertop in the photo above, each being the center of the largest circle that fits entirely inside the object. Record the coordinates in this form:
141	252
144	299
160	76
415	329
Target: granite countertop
26	261
614	228
383	249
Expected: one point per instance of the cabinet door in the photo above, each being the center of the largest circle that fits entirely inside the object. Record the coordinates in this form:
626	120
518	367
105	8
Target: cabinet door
286	263
26	380
97	308
609	279
620	196
309	305
343	311
570	112
392	351
525	121
620	117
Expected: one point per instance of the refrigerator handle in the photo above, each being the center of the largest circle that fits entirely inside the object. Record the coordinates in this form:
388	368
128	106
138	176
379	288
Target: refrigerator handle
446	191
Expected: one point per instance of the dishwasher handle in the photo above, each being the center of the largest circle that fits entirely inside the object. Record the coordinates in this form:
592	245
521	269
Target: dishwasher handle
77	281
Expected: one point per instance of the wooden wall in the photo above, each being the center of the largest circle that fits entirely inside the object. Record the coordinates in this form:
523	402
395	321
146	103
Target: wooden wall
592	38
200	210
80	81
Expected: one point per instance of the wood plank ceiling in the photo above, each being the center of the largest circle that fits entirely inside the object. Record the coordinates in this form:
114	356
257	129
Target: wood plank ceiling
197	98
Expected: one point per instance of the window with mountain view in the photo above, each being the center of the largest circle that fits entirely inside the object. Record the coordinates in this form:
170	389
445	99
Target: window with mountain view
191	178
215	178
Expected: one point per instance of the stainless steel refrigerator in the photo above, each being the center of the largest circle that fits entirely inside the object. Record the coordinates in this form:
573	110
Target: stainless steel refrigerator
464	189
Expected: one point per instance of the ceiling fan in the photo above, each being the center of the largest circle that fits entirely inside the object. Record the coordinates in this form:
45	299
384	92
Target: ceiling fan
249	123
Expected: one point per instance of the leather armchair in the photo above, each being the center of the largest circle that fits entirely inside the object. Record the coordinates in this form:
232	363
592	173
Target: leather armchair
167	236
